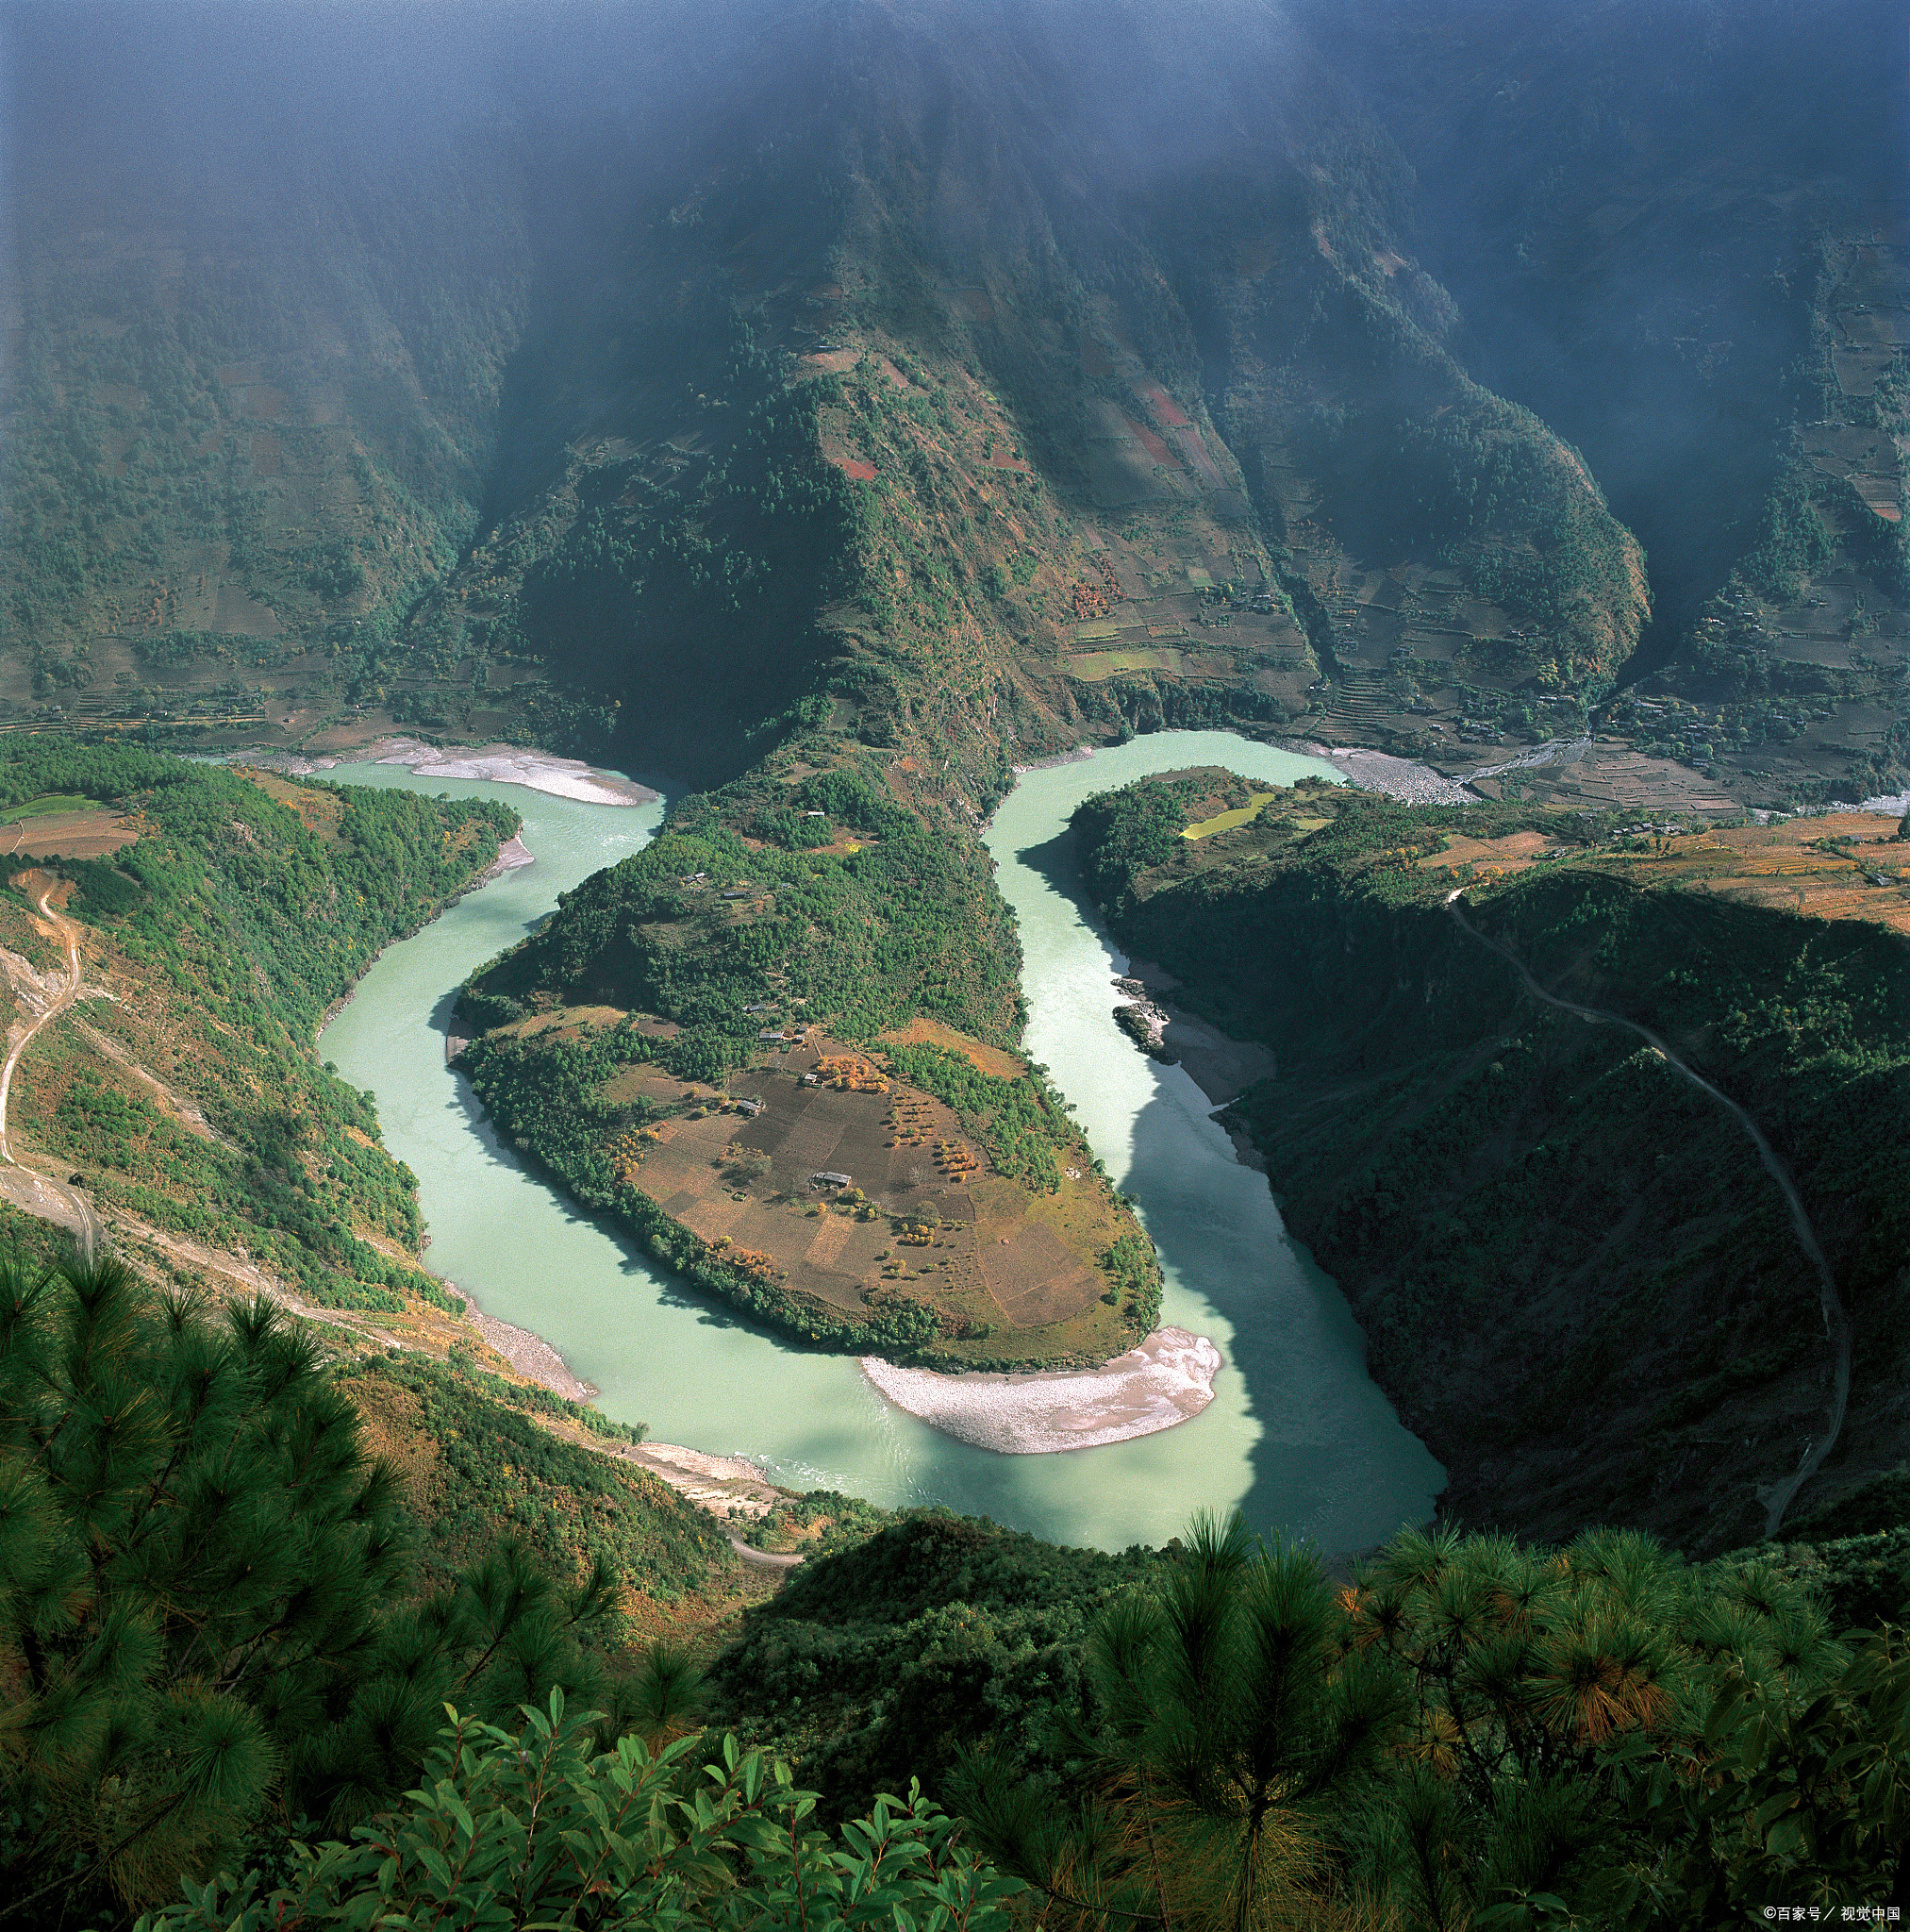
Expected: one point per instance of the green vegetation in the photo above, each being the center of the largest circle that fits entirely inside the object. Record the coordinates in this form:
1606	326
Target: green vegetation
1792	544
239	915
906	924
539	1827
1419	456
819	1522
1454	1152
490	1466
207	1621
699	929
1020	1122
1127	833
1470	1733
40	808
880	1661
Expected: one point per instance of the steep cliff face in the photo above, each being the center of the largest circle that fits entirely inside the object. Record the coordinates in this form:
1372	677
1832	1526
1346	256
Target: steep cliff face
1577	1277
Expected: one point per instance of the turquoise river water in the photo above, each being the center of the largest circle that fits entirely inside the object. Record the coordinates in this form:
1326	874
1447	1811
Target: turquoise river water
1297	1435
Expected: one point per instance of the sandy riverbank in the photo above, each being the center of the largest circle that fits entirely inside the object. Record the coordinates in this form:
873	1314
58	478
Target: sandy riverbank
1221	1066
530	1354
512	855
497	764
1167	1379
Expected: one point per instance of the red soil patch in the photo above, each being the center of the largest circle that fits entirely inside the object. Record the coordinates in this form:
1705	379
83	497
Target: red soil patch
1879	497
1164	405
1001	460
855	467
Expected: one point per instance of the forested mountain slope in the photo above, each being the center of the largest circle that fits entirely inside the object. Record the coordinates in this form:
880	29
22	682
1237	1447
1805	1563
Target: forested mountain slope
1679	234
1577	1275
501	407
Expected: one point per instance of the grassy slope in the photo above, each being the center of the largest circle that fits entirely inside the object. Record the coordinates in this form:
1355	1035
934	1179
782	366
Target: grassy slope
480	1460
1575	1277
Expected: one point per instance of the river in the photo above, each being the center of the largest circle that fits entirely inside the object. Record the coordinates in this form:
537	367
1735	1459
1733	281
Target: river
1297	1435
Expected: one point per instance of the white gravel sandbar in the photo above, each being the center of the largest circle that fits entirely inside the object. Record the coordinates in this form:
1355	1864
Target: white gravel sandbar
1167	1379
497	764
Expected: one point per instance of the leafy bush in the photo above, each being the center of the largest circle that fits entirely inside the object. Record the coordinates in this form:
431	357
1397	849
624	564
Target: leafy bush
537	1829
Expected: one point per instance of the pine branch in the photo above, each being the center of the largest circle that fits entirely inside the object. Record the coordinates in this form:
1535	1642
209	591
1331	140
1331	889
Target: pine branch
65	1880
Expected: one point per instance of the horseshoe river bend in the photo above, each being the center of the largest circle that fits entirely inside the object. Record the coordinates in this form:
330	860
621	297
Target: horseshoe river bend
1297	1435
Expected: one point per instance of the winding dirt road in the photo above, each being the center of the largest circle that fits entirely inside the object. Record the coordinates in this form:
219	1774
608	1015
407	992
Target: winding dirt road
79	1208
1776	1499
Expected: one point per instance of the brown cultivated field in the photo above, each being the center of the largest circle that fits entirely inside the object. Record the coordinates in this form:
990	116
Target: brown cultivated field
1518	853
1797	867
72	834
321	811
925	1219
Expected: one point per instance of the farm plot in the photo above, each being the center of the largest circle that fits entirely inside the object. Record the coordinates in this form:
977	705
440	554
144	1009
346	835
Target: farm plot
90	831
918	1216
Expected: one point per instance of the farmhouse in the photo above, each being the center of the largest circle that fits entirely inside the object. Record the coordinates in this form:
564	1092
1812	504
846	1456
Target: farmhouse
830	1179
750	1106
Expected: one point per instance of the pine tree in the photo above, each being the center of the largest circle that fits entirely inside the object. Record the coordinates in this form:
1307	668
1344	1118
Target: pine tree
204	1618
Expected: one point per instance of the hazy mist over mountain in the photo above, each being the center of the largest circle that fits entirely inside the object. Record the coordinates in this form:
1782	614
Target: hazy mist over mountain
462	242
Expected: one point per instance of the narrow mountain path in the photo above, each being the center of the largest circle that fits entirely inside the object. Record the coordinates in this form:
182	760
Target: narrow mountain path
29	1183
1777	1498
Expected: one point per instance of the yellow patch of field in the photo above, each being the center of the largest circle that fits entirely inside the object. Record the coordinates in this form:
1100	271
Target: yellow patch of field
578	1017
320	811
922	1031
1226	821
1092	667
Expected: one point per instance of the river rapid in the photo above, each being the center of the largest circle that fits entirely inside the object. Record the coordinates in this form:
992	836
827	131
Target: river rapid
1297	1435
